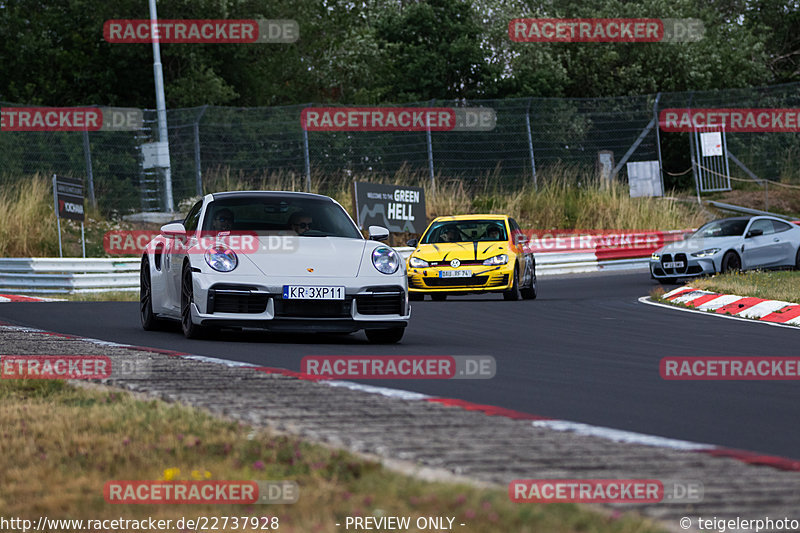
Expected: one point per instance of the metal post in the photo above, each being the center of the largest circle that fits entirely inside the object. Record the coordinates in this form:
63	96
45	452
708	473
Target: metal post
306	158
530	143
83	241
58	219
658	141
198	173
161	105
87	154
430	147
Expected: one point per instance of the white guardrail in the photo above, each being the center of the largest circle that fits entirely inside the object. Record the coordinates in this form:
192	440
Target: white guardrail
76	275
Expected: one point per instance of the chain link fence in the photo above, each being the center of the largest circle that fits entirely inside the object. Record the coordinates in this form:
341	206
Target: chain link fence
531	136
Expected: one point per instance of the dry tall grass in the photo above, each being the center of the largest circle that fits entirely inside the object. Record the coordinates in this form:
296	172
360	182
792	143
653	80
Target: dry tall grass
27	221
565	198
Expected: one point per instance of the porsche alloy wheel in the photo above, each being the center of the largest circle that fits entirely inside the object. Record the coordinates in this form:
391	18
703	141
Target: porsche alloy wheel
149	320
190	329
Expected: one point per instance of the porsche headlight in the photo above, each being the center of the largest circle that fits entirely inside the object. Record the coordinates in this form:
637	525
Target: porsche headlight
706	253
416	262
655	257
501	259
221	258
385	260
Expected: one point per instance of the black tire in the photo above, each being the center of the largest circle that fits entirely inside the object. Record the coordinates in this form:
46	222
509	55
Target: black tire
513	293
667	281
731	262
529	292
190	329
797	260
385	336
416	296
438	297
149	320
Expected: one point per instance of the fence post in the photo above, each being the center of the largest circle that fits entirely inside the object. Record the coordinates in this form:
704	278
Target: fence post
530	144
430	147
658	141
198	174
306	156
87	155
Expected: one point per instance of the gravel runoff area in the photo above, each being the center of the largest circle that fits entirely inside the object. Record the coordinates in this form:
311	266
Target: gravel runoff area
435	441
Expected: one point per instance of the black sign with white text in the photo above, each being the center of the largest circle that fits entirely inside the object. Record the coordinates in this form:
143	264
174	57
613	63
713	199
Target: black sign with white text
69	198
398	208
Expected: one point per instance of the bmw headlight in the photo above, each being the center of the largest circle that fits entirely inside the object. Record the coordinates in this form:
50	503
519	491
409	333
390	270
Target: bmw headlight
501	259
221	259
706	253
416	262
385	260
655	257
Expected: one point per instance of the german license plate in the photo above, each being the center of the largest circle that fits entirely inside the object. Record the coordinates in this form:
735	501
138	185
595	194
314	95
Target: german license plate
675	264
312	292
455	273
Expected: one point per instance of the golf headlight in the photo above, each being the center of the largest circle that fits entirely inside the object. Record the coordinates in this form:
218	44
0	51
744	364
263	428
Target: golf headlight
706	253
385	260
221	259
501	259
416	262
655	256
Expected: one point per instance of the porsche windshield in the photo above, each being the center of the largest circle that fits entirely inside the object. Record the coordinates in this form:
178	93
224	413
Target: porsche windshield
307	217
722	228
466	231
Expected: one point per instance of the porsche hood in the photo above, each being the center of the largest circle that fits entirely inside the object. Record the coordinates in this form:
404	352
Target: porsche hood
306	256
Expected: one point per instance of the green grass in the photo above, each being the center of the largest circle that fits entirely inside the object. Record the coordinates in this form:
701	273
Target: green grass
62	444
111	296
780	285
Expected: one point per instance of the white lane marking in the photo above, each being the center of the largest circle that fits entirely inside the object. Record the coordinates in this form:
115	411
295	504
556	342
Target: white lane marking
619	435
763	308
648	301
721	301
216	360
690	296
391	393
4	299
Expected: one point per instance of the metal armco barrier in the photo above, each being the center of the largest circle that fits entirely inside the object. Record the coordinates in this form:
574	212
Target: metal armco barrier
53	275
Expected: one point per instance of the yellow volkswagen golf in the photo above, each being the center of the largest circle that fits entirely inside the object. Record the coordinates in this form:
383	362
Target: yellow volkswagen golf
470	253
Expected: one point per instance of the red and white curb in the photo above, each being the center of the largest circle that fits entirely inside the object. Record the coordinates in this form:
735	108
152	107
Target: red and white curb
615	435
4	298
772	311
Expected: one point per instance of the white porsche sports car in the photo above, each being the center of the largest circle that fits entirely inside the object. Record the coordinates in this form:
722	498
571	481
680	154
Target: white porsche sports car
282	261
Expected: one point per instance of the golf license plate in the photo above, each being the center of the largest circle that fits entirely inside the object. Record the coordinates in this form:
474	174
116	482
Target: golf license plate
674	264
312	292
455	273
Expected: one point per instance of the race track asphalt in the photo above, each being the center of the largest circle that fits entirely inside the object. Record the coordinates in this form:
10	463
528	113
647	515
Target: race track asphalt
586	350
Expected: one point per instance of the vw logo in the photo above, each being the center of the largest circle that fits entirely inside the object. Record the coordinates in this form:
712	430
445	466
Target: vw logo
455	263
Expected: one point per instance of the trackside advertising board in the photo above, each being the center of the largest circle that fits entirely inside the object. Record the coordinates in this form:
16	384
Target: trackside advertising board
68	193
397	208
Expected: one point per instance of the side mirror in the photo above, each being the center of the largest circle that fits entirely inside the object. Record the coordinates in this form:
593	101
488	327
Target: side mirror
754	233
173	229
412	243
378	233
